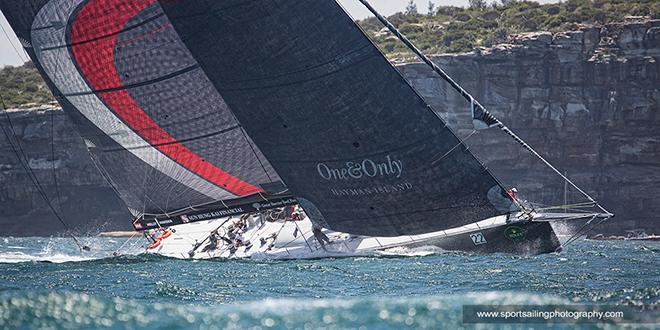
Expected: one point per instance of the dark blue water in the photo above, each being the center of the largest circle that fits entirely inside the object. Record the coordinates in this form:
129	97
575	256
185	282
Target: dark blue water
141	291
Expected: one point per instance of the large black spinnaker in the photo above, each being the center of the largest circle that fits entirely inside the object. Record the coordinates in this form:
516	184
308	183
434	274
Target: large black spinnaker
353	141
155	125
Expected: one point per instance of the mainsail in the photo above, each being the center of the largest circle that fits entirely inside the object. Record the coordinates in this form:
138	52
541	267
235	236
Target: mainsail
155	125
354	142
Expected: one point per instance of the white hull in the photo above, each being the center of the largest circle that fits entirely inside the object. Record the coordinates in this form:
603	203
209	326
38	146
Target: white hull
305	245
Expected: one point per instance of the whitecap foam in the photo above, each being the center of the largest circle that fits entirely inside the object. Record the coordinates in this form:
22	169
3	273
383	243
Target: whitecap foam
420	251
18	257
60	250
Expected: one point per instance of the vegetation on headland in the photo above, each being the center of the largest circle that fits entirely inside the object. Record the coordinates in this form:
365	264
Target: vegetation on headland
448	29
23	85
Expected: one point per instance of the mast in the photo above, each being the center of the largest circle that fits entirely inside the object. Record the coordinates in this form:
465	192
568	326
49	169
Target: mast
565	194
479	112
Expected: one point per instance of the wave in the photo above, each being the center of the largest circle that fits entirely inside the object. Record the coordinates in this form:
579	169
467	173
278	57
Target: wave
79	310
61	250
18	257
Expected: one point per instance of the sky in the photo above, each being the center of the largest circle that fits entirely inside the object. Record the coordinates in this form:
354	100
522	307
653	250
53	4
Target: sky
8	55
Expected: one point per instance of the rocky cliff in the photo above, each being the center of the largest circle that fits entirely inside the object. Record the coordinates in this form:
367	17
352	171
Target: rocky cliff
589	100
81	195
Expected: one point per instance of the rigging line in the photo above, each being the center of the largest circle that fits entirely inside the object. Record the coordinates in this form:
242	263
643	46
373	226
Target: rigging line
147	173
163	182
183	237
278	233
103	172
256	232
569	209
579	207
52	155
124	244
579	232
295	239
547	163
565	206
454	148
303	237
147	198
247	140
132	247
583	230
197	245
20	55
170	188
22	159
471	99
255	154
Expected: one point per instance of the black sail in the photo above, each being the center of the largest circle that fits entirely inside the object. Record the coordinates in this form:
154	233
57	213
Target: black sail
354	142
155	125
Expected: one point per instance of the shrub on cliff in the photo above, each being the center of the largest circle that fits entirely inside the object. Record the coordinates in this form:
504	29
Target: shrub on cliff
446	29
23	85
459	29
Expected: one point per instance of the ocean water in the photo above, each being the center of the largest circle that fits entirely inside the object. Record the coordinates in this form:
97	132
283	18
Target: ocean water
47	283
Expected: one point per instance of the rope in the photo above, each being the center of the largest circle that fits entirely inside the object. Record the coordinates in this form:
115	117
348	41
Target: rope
23	160
278	234
197	245
295	239
254	152
581	231
303	237
184	237
122	246
566	206
546	162
52	156
454	148
20	55
20	152
256	232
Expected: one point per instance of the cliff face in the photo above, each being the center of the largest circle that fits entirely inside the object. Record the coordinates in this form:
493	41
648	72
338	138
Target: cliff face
81	194
589	100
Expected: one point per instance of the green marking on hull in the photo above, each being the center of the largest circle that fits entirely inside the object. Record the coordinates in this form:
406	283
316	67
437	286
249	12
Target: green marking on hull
515	233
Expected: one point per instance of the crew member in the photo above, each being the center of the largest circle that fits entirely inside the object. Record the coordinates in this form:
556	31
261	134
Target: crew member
513	193
240	241
213	242
320	236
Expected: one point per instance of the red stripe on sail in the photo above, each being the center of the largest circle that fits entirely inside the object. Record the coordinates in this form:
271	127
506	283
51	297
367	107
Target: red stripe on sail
94	36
